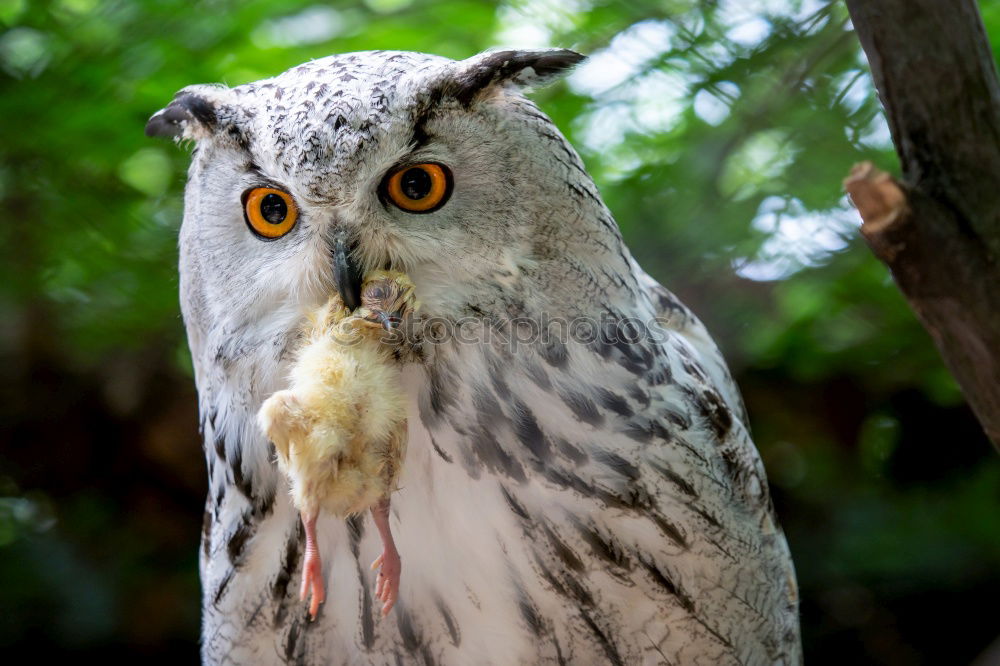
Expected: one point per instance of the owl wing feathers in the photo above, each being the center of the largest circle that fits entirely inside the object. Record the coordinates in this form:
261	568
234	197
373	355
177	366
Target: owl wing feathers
634	499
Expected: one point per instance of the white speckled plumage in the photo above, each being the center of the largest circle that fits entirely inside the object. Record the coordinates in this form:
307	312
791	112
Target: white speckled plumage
562	501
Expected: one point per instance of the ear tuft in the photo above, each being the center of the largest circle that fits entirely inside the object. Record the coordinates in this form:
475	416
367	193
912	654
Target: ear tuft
526	68
192	114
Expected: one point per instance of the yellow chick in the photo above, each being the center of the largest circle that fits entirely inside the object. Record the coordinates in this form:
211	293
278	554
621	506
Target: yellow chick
340	430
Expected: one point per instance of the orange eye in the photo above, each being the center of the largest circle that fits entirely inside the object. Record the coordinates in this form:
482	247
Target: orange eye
420	188
270	213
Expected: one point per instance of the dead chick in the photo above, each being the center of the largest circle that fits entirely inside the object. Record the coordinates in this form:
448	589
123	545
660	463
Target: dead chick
340	430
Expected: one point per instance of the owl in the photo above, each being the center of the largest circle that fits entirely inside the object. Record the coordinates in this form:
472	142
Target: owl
580	483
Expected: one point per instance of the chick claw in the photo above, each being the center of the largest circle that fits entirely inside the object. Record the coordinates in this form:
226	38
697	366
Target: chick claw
387	583
312	581
312	570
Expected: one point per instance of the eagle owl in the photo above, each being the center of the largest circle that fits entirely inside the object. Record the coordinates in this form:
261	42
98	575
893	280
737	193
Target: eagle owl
580	485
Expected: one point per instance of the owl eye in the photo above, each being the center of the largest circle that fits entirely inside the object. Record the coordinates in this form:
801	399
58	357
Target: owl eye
419	188
269	213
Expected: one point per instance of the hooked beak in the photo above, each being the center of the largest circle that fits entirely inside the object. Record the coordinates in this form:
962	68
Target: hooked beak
346	273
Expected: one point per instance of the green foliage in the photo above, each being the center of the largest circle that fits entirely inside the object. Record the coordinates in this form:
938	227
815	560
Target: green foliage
718	132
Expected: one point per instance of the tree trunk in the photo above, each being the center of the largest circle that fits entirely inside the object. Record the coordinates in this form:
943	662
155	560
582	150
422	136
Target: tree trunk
939	229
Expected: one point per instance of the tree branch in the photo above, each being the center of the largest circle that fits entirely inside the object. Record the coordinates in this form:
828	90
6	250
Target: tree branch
939	230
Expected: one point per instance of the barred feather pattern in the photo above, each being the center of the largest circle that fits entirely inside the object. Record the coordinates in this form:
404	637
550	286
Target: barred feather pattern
563	501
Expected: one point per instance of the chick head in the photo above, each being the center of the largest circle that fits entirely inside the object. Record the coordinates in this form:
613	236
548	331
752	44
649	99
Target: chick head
386	299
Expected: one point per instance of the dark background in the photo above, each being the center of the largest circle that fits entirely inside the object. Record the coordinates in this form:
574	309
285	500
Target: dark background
718	132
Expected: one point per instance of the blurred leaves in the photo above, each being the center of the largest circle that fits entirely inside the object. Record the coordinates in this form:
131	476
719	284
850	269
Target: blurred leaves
718	132
21	515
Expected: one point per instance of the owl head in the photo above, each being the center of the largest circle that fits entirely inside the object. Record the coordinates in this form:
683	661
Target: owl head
442	169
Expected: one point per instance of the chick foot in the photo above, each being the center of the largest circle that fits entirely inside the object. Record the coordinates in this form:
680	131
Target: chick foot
312	569
389	563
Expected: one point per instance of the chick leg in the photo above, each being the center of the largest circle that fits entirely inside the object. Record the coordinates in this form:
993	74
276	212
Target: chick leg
312	568
387	587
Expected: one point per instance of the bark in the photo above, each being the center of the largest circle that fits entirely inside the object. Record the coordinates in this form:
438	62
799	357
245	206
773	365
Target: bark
938	229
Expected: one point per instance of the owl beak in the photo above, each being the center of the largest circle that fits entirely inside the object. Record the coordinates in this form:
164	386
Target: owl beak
346	272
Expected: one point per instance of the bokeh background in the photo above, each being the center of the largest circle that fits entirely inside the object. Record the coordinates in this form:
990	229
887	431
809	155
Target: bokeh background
718	131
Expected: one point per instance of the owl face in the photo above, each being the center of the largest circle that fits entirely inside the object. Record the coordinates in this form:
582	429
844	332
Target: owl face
302	183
